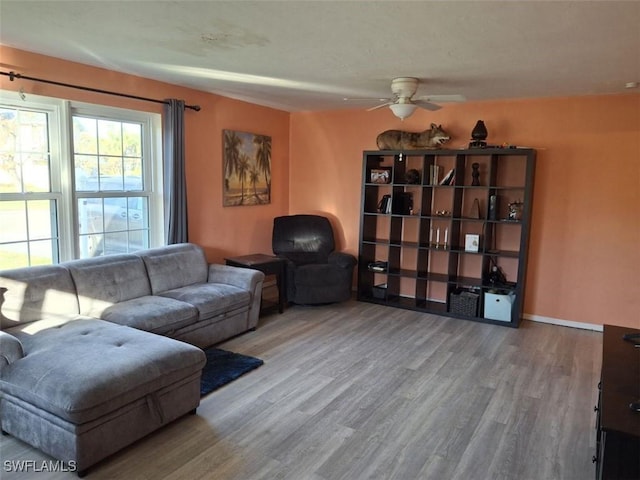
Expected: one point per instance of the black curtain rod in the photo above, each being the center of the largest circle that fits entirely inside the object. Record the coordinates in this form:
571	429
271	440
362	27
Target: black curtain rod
12	76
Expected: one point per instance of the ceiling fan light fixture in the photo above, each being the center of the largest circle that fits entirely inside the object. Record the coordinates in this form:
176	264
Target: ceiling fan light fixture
403	110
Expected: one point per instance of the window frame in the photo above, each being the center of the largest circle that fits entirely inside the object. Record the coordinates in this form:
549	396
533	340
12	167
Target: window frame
151	166
60	114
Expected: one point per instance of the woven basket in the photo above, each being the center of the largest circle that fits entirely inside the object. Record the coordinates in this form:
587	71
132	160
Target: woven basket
464	303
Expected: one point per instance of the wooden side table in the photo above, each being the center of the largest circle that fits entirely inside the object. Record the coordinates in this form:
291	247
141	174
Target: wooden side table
269	265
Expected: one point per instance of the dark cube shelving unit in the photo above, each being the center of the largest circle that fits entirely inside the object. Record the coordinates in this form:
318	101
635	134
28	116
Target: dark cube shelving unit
422	271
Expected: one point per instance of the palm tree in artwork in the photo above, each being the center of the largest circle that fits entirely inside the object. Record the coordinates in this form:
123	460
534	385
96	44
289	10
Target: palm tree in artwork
232	143
263	158
242	168
254	175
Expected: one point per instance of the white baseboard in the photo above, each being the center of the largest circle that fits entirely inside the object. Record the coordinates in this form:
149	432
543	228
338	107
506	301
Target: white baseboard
563	323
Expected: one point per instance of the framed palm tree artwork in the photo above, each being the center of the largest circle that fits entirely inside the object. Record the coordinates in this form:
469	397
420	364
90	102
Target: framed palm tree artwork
246	168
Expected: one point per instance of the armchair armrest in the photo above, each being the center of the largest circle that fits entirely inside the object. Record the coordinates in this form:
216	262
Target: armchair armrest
10	349
342	259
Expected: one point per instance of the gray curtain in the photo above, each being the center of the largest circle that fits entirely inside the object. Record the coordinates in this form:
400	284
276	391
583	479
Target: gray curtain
175	187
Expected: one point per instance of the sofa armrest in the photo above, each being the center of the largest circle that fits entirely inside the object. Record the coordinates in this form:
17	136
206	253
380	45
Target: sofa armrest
10	349
244	278
342	259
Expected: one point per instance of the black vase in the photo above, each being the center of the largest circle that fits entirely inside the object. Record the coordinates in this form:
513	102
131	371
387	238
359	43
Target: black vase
479	132
479	135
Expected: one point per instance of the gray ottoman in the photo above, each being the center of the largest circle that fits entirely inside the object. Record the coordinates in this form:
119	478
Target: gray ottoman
87	388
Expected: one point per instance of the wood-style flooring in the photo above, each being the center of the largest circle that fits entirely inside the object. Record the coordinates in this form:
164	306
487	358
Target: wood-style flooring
361	391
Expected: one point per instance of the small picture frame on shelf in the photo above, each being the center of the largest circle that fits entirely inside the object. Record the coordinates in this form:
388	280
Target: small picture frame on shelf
380	175
471	242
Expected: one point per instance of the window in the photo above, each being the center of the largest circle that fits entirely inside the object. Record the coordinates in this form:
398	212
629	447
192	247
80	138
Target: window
111	186
75	192
29	185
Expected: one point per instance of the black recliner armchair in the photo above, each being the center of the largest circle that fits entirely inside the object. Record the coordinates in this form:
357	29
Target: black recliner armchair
316	273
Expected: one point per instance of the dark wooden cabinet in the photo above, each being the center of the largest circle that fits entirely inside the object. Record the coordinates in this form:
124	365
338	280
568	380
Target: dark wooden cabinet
618	426
435	223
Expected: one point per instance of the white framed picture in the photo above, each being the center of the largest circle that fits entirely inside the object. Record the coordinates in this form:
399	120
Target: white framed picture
471	242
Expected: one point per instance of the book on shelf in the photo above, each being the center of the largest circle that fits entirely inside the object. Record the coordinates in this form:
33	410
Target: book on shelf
434	174
384	206
449	177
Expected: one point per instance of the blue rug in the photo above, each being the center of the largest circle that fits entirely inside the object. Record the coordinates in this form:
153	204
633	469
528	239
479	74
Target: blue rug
223	367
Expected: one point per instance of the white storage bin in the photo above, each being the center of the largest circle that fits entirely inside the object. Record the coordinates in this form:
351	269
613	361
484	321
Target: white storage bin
498	306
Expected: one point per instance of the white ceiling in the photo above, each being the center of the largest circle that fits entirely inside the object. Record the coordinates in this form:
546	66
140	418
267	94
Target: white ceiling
308	55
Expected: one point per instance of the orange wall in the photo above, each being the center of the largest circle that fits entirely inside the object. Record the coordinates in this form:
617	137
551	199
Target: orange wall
221	231
584	253
585	236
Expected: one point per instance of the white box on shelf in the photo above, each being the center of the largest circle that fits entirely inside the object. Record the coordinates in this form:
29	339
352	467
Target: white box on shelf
471	242
498	306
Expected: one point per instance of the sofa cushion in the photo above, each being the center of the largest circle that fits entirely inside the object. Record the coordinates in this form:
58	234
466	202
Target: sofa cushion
211	299
87	368
154	314
174	266
104	281
34	293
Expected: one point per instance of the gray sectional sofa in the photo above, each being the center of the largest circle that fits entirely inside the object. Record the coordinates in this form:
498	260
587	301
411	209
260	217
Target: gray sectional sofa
97	353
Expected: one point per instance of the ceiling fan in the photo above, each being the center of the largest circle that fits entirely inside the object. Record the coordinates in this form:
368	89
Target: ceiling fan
402	104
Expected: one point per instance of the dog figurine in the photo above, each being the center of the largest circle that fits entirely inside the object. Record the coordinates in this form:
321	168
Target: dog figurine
433	138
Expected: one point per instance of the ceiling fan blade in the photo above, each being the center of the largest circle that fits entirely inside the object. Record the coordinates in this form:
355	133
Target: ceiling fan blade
442	98
366	99
427	105
379	106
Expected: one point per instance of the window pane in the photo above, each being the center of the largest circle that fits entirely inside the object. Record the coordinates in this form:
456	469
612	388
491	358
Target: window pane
111	175
42	219
133	174
138	240
109	137
8	129
86	171
36	169
10	169
90	218
137	213
115	214
43	252
132	139
14	221
91	245
14	255
33	134
85	136
116	243
10	173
